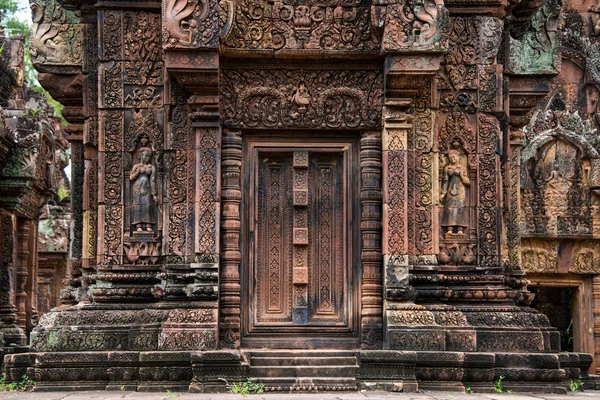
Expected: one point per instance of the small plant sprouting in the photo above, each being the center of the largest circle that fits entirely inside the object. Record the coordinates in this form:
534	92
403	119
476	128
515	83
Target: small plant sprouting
509	392
575	384
468	390
23	385
170	395
498	384
123	388
245	388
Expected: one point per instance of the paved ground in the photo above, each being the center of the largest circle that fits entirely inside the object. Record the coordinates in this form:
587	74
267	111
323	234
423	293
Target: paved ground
302	396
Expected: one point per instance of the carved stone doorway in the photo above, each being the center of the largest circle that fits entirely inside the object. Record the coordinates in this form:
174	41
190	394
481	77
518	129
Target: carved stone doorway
300	271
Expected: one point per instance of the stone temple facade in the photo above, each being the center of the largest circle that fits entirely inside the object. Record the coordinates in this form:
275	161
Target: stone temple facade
320	194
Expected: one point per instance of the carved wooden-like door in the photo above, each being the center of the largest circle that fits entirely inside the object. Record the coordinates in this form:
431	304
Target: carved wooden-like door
300	275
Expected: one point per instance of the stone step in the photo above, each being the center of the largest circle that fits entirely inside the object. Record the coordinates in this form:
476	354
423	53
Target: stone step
302	361
303	371
302	353
307	384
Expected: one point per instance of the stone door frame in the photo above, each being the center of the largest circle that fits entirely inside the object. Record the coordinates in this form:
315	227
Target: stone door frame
370	303
582	311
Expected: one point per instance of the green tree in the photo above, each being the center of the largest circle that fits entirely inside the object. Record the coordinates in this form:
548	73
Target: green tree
13	26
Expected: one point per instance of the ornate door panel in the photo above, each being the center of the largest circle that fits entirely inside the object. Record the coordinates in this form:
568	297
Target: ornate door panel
300	264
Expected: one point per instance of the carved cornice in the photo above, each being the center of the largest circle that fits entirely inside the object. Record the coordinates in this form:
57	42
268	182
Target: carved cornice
303	29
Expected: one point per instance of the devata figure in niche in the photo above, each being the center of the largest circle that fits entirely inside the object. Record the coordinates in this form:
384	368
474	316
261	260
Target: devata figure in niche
454	188
143	176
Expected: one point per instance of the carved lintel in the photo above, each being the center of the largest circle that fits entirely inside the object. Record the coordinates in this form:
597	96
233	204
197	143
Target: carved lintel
302	98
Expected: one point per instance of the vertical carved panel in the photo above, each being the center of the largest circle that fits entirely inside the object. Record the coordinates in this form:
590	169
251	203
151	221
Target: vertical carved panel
395	198
513	228
488	192
327	262
229	299
274	232
177	196
207	218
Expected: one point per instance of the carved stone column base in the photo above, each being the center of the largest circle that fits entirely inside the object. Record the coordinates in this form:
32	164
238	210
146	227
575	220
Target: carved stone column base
10	333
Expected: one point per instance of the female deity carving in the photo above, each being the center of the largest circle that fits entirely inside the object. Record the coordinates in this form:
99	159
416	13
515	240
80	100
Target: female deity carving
143	176
454	190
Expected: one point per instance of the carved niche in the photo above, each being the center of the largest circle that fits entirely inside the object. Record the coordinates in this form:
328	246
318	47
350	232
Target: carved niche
144	141
560	205
555	177
458	170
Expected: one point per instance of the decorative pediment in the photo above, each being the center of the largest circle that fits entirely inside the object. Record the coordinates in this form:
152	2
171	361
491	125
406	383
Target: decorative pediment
548	125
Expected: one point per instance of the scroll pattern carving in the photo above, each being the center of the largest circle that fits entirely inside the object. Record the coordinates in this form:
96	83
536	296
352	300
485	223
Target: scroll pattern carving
177	191
337	25
207	212
488	192
301	98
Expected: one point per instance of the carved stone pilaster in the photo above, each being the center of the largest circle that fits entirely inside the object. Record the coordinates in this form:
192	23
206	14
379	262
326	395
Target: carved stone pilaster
524	95
410	170
195	137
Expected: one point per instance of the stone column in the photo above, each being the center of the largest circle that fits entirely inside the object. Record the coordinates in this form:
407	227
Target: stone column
371	257
231	195
10	332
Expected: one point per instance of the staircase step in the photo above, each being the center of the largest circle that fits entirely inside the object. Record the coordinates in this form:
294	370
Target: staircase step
302	361
301	353
304	371
307	384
